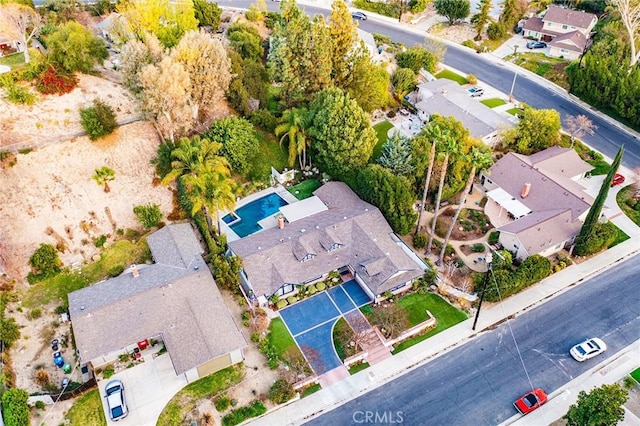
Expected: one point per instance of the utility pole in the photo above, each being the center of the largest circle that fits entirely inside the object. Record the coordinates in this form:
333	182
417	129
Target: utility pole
488	259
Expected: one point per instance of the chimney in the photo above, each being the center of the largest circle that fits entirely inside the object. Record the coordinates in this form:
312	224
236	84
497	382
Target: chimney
281	222
135	272
525	190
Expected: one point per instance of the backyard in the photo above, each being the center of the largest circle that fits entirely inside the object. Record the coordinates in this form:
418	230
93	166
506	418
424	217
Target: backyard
382	131
305	188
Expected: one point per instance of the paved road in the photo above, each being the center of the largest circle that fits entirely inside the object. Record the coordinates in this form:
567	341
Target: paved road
477	383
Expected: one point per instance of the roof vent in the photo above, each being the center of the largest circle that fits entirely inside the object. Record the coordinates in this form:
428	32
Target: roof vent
82	308
317	227
259	248
525	190
196	267
366	210
344	217
303	230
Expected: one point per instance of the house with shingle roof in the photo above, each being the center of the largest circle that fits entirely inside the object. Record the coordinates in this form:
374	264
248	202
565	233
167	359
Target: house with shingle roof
174	300
348	234
536	201
447	98
566	31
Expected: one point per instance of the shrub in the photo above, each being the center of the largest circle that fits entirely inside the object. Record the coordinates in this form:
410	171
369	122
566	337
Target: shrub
40	405
222	403
417	58
51	82
100	241
35	313
472	79
98	120
281	303
312	289
255	337
478	248
60	309
108	372
264	119
20	95
418	6
253	14
496	31
470	43
420	240
149	215
241	414
321	286
42	377
493	237
602	236
15	408
281	391
44	263
116	270
291	300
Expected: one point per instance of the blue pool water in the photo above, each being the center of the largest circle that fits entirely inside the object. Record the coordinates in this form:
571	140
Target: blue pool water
250	214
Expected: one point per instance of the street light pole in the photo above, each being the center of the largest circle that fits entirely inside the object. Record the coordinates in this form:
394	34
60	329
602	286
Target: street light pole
513	85
488	259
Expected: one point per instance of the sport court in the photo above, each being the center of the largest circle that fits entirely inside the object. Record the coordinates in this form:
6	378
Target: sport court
311	322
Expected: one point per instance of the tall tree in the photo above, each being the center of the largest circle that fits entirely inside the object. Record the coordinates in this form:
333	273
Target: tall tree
512	11
195	156
207	14
205	60
75	48
596	208
211	192
453	9
103	176
396	155
21	22
538	129
629	11
369	85
341	132
601	406
135	55
482	18
450	146
239	142
168	20
434	134
346	47
295	122
480	159
165	98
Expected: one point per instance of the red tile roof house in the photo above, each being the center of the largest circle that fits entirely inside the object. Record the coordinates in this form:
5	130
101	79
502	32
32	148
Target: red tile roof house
536	201
175	300
566	31
339	232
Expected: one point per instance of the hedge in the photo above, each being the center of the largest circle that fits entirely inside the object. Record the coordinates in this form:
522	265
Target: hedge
241	414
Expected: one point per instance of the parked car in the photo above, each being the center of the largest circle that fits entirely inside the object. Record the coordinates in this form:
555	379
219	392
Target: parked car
114	392
530	401
617	179
359	16
476	91
536	45
588	349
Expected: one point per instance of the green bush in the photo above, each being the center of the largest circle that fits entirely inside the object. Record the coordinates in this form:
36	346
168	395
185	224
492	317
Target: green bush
470	43
100	241
417	58
14	407
44	262
420	240
291	300
602	236
321	286
478	248
418	6
281	303
472	79
20	95
98	120
116	270
312	289
241	414
264	119
108	372
222	403
281	391
496	31
386	9
493	237
60	309
35	313
149	215
40	405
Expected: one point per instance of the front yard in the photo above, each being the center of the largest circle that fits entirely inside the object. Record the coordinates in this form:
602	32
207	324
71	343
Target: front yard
550	68
87	411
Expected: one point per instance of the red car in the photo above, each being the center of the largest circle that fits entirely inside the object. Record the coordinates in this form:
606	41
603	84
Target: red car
617	180
530	401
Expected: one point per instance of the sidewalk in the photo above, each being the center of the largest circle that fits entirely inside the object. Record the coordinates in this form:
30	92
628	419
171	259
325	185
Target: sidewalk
402	363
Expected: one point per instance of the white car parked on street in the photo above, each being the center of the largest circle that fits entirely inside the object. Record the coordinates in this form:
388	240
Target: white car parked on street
588	349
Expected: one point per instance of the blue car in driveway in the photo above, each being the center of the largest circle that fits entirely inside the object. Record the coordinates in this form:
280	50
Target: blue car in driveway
536	45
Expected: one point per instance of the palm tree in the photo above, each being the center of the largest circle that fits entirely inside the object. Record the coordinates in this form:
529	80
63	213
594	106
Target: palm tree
211	192
451	146
103	176
293	127
194	156
434	133
480	160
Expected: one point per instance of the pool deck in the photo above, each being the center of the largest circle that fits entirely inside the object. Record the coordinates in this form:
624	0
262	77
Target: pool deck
267	223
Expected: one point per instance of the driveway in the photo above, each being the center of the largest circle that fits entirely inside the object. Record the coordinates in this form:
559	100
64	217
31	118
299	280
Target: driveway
148	388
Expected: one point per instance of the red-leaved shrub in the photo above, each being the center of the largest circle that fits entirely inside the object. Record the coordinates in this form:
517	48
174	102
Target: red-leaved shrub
51	81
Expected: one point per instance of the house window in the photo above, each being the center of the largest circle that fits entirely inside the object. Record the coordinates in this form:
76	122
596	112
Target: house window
482	178
564	27
307	257
564	51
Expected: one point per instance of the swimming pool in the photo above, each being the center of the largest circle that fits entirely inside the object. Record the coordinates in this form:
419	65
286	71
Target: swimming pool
250	214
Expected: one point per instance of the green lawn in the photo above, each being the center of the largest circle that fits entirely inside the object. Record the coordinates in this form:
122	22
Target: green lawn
122	252
87	411
621	237
551	69
450	75
382	130
270	153
206	388
305	188
15	60
627	203
636	374
601	167
358	368
514	111
341	329
493	102
279	337
273	98
416	304
310	389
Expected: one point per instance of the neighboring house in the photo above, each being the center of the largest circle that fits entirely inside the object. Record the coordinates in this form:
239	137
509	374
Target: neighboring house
448	98
566	31
334	230
536	201
175	300
9	46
